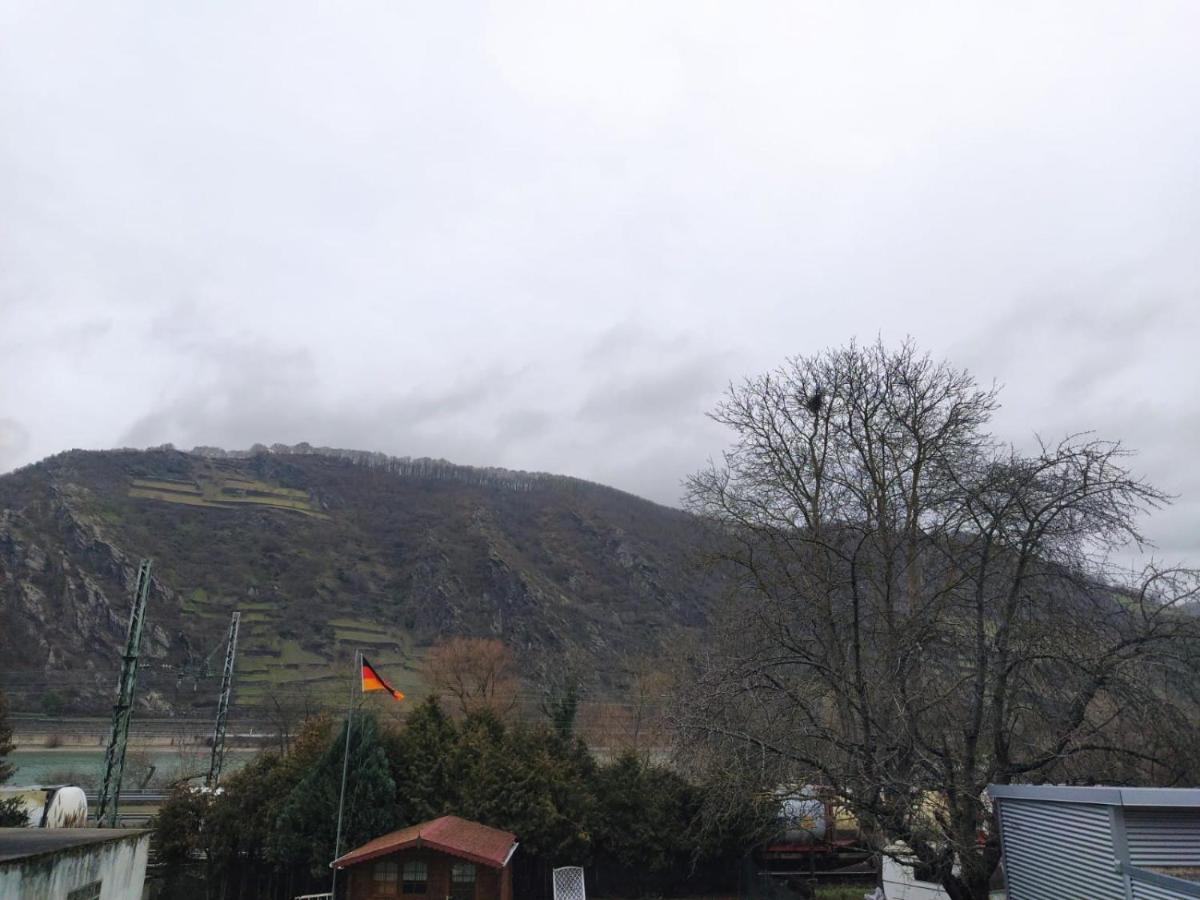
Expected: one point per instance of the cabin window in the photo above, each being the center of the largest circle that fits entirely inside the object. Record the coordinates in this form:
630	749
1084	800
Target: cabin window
385	871
87	892
416	876
462	881
384	875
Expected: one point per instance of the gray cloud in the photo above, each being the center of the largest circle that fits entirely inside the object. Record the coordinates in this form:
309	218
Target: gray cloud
1115	369
256	393
668	389
446	231
14	439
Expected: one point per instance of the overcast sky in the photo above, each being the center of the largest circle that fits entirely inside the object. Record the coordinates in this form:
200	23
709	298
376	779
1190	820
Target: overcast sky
546	236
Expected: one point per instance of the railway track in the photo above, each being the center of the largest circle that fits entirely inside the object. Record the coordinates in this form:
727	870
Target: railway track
131	798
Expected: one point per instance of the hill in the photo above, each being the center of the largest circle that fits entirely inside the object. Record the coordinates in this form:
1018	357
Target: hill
323	551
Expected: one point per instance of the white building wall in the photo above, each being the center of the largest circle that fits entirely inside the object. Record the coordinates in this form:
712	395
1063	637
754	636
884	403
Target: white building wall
119	865
899	884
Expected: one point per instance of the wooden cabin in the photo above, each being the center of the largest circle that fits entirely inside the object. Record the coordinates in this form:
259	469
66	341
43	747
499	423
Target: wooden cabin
444	858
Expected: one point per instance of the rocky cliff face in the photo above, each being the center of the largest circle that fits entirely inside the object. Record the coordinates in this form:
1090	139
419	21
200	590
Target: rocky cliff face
65	594
323	551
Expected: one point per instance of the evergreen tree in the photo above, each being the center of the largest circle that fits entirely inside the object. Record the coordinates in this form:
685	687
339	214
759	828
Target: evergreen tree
251	799
277	816
640	814
564	707
307	825
421	757
12	812
528	781
232	829
180	822
651	832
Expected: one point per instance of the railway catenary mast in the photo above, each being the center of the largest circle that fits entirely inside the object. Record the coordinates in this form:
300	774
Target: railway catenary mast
114	756
218	743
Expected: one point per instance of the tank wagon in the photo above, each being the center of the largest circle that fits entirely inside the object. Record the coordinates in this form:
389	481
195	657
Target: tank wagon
816	834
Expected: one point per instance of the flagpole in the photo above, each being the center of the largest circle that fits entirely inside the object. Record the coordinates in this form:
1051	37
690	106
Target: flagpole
337	841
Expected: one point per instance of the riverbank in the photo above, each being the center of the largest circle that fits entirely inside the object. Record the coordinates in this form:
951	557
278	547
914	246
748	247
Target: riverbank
144	768
44	733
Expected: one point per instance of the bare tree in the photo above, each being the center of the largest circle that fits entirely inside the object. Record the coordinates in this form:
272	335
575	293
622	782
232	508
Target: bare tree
631	718
476	672
920	611
288	712
648	685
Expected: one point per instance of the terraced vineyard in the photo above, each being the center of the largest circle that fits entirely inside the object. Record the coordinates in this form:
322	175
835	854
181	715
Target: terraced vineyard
323	553
219	490
268	663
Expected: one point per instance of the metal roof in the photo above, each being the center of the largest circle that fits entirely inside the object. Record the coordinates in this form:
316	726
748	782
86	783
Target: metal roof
449	834
1099	795
24	843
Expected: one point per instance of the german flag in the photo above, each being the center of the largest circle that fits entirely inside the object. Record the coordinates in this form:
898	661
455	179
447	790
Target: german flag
373	681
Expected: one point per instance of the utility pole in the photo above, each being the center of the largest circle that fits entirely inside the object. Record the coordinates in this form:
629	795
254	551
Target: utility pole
218	744
337	841
114	757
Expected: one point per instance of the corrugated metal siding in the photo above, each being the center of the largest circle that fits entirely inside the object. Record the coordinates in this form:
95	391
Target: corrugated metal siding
1058	851
1143	891
1163	837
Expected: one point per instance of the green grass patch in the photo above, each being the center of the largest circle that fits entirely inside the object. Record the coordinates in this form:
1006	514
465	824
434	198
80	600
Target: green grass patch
194	602
174	487
278	502
844	891
364	631
172	497
224	493
331	688
292	654
255	677
261	487
207	614
198	603
345	635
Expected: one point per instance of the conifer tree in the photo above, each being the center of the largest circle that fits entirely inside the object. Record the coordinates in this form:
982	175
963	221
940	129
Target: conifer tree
421	764
528	781
307	825
12	813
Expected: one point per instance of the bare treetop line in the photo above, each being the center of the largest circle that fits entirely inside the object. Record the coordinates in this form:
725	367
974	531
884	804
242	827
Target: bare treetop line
421	467
918	610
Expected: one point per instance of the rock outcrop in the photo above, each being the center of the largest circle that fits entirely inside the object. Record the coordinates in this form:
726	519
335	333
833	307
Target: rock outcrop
323	551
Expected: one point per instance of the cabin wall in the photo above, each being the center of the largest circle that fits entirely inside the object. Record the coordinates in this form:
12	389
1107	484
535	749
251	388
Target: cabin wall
490	884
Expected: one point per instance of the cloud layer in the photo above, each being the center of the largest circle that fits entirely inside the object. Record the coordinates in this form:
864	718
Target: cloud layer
545	236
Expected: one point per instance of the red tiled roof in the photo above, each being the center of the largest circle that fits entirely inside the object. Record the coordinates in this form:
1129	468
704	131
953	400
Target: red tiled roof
449	834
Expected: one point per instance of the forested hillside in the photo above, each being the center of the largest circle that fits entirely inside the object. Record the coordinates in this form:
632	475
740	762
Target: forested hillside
323	551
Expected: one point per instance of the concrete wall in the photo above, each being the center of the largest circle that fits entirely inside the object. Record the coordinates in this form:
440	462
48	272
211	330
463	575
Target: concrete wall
119	865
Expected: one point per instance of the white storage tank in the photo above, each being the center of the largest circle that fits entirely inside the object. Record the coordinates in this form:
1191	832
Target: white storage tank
51	806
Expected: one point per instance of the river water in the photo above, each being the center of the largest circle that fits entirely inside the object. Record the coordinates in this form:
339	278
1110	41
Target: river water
85	767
